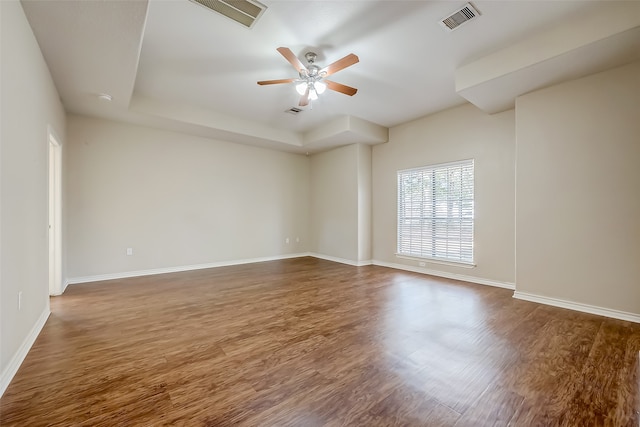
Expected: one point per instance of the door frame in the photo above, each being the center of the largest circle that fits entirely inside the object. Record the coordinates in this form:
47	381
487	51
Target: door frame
55	213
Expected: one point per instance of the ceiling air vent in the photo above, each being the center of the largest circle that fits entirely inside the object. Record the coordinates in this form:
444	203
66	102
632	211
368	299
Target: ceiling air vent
245	12
293	110
459	17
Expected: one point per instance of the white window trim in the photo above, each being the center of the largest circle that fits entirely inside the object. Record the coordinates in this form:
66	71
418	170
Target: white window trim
466	263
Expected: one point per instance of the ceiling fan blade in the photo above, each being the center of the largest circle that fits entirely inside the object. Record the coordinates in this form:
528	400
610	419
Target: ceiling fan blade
293	60
340	64
304	101
275	82
338	87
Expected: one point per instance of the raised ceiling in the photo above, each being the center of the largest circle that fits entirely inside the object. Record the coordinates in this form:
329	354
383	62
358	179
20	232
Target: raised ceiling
176	65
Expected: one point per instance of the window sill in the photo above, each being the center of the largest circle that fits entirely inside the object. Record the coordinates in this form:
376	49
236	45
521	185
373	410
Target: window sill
438	261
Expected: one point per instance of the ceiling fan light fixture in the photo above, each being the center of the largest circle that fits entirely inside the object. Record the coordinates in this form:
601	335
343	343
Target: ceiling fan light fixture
301	87
313	95
320	87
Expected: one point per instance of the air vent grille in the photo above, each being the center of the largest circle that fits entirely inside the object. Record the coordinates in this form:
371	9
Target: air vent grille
459	17
245	12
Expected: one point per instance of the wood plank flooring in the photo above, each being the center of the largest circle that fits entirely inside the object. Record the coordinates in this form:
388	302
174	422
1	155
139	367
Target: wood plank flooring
308	342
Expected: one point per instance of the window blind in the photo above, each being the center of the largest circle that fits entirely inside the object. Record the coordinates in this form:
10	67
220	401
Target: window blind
435	212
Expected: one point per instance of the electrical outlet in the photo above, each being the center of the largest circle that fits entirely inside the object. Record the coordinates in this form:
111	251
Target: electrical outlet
129	251
422	264
286	240
297	240
19	300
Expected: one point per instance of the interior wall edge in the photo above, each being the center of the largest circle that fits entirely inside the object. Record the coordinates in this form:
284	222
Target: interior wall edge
577	306
19	356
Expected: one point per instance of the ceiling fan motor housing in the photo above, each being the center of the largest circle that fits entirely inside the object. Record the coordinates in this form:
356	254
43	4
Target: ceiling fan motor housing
310	57
312	71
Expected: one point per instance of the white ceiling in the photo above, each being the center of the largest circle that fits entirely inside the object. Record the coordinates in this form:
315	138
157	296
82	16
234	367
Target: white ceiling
176	65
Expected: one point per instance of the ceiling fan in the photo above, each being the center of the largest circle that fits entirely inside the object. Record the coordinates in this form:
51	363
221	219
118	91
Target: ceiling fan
312	81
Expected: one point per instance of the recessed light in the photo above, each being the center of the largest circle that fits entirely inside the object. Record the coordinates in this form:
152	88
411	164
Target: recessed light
104	97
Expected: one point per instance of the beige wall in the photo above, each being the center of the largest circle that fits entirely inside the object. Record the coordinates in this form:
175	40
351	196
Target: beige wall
365	193
30	104
340	213
334	203
460	133
177	200
578	190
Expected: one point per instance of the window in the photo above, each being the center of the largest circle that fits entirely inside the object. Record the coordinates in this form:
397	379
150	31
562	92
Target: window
435	212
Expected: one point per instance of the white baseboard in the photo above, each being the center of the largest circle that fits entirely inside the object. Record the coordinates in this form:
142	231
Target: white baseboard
577	306
127	274
340	260
64	286
446	275
124	275
17	359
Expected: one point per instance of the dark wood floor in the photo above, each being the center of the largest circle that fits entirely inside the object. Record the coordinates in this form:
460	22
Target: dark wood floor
308	342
